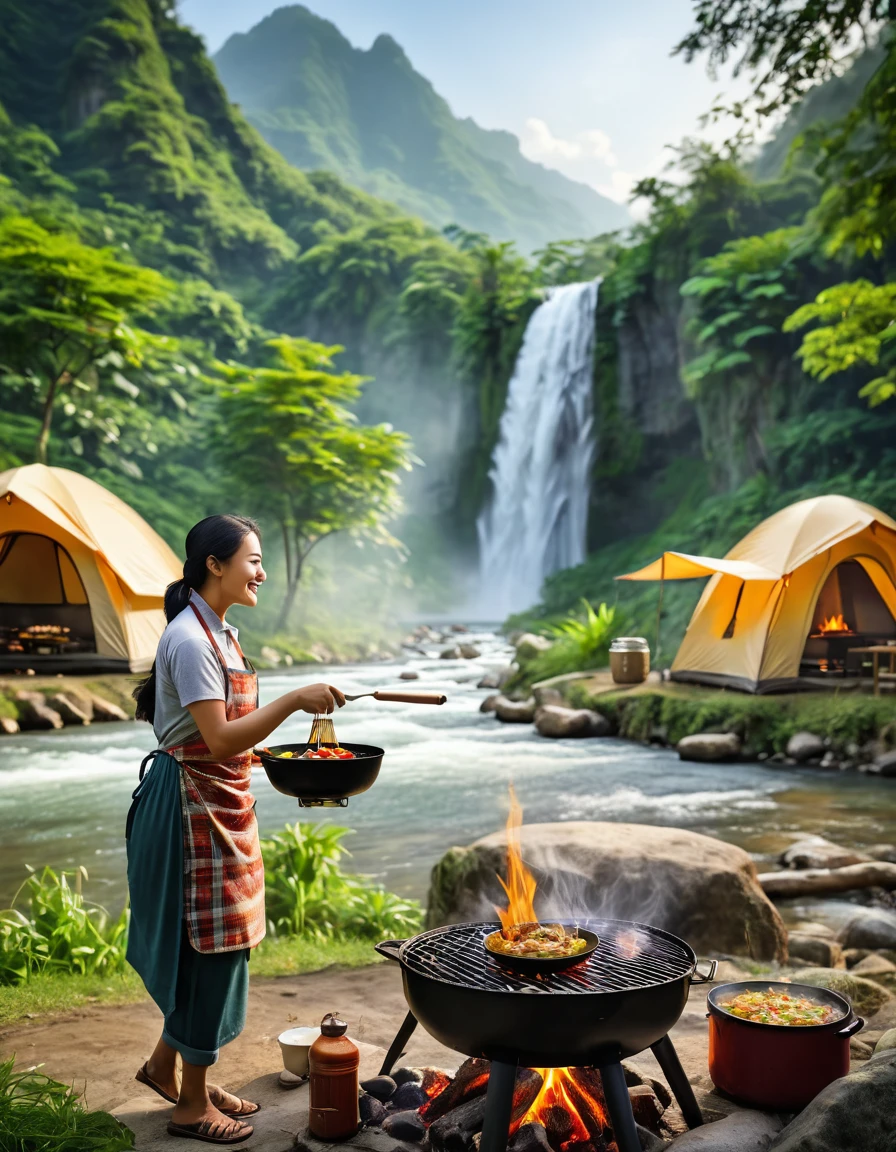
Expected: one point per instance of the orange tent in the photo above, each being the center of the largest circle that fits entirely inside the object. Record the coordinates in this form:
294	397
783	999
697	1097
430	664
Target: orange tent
80	568
775	590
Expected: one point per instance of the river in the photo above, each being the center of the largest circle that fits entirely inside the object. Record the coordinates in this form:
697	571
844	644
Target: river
64	795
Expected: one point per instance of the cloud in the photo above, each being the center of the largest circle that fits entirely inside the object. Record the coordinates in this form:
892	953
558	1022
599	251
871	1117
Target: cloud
539	143
619	186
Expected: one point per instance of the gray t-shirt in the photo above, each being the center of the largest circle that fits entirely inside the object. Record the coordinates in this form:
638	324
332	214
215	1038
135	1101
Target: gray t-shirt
188	669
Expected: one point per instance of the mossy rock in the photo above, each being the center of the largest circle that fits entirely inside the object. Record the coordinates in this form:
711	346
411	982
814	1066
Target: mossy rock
866	996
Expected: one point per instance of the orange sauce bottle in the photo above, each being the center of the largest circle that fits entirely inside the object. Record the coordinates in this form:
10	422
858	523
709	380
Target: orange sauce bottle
333	1082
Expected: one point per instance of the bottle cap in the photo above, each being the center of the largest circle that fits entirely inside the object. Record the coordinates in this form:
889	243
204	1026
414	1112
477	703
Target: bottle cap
331	1025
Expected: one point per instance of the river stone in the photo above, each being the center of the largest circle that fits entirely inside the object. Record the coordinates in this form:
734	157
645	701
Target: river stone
68	709
877	968
887	1042
8	725
804	746
853	1114
382	1087
489	680
529	646
871	928
883	765
693	885
105	710
450	654
553	720
35	713
739	1132
488	704
271	655
546	694
405	1125
712	747
816	852
819	951
409	675
515	711
371	1110
884	852
865	996
469	652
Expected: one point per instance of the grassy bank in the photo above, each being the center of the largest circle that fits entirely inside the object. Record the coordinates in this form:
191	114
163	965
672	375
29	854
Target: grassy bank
55	993
667	712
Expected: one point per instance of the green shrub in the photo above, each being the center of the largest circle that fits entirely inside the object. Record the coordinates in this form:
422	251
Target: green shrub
58	930
307	893
578	645
38	1114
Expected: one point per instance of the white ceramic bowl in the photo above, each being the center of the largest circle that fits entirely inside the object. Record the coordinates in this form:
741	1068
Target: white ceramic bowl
294	1044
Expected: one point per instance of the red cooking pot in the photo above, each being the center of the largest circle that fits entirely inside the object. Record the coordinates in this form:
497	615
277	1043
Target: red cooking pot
776	1066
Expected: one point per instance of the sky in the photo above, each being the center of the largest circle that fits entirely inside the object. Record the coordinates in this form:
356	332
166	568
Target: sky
589	86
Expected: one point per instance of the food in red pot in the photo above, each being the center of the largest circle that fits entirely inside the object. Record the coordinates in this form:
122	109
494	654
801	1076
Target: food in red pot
775	1045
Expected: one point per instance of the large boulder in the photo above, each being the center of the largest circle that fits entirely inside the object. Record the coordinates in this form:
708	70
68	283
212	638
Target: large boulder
816	852
739	1132
865	996
35	713
697	887
554	720
69	709
870	928
515	711
816	950
854	1114
710	747
803	746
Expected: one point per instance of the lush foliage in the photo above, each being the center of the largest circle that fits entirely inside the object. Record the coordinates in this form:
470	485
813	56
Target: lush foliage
307	894
38	1114
50	927
287	429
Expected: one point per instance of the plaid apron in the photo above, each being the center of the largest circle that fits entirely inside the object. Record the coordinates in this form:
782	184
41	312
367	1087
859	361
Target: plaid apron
223	869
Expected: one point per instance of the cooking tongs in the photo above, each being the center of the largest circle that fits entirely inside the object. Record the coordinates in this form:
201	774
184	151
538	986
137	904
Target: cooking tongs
323	731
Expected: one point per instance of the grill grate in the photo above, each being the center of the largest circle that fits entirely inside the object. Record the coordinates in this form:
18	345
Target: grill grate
629	956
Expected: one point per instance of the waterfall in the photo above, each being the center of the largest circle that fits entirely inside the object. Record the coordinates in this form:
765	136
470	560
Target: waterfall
534	522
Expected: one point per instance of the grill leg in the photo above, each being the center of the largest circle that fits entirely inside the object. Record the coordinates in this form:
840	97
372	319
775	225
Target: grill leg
667	1058
396	1048
498	1107
620	1108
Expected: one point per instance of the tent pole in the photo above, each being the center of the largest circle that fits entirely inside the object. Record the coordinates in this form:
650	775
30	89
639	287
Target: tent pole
659	607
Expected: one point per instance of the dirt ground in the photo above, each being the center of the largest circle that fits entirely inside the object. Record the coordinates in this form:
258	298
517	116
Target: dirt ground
99	1049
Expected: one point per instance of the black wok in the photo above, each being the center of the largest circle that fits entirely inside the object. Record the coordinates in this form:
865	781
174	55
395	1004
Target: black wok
321	783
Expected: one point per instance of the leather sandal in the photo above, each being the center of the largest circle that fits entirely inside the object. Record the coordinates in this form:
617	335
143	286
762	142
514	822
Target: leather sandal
238	1114
143	1078
212	1131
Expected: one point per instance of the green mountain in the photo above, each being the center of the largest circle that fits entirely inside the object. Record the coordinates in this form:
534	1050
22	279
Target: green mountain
140	126
370	118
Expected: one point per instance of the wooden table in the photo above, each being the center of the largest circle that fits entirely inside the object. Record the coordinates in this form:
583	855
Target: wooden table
876	651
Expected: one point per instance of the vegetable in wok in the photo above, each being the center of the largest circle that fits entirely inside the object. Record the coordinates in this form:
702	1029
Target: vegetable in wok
336	753
536	941
773	1007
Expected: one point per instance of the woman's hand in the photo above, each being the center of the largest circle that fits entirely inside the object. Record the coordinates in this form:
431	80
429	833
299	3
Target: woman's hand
319	699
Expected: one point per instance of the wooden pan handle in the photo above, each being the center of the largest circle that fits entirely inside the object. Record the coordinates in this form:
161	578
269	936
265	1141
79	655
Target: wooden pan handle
411	697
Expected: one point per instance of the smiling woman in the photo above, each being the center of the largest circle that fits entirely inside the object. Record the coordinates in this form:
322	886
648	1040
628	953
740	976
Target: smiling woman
195	871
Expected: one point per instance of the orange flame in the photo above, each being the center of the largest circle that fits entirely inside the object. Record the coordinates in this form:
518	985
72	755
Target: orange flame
834	624
555	1092
520	885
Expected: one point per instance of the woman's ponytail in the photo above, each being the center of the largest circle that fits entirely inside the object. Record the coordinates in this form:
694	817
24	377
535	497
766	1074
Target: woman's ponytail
218	536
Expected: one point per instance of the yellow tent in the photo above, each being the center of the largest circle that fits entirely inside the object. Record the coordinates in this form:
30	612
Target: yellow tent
82	576
791	599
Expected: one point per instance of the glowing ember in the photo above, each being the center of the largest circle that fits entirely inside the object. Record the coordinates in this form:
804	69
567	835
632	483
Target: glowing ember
558	1092
834	624
434	1082
520	885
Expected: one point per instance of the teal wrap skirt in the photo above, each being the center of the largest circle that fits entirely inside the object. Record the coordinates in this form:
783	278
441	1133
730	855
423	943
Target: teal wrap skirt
201	995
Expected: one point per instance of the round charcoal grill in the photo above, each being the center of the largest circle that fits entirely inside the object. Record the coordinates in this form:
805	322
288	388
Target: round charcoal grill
624	998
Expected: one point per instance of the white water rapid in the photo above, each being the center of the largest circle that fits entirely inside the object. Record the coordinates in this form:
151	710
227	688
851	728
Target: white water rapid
535	519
